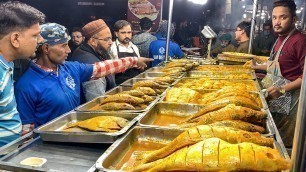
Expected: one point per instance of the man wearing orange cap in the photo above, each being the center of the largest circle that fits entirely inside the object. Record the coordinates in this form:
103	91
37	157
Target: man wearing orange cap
98	39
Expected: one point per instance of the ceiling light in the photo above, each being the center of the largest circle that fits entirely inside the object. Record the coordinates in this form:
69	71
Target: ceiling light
201	2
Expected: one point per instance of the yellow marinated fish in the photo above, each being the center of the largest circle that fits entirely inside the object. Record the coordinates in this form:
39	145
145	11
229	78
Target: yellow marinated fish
123	98
135	93
231	112
146	90
114	106
202	132
101	123
147	83
239	125
214	154
182	95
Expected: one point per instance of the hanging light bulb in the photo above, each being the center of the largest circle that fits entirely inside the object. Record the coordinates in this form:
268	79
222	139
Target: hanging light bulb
201	2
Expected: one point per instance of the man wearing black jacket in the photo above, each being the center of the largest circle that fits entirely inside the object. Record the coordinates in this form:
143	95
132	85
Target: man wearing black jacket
98	39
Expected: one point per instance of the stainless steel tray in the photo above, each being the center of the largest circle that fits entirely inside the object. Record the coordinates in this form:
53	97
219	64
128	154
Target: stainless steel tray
250	82
86	107
258	95
53	130
171	109
181	111
221	75
150	75
114	154
66	157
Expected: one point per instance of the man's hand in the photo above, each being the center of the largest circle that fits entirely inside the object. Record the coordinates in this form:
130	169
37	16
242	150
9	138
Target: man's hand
141	63
274	92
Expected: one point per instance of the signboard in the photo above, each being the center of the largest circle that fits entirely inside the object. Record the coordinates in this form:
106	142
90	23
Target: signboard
138	9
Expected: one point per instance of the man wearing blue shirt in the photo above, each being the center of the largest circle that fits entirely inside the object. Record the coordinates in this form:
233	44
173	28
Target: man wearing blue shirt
19	35
157	50
51	87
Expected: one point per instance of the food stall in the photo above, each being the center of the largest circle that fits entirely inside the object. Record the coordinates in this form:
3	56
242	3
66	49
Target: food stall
178	97
183	109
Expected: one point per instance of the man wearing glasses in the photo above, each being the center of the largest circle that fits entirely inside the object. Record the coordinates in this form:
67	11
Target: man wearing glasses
98	40
242	36
77	38
123	47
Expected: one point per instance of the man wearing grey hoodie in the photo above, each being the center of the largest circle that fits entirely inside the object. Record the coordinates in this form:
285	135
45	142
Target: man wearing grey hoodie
144	38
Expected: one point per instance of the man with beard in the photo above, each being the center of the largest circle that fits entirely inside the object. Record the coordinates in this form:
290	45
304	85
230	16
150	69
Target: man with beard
19	36
242	36
123	47
98	39
285	69
51	87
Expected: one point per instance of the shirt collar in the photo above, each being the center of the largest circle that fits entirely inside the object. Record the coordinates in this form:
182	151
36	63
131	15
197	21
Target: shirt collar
6	63
42	73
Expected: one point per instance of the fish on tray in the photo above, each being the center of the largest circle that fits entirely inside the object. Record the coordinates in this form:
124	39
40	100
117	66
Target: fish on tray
101	123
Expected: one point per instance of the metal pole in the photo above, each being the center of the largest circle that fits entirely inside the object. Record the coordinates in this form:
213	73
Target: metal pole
303	16
255	6
259	23
298	149
169	28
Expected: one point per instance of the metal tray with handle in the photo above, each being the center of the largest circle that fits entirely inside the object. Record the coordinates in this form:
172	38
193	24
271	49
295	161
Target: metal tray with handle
121	154
171	115
56	130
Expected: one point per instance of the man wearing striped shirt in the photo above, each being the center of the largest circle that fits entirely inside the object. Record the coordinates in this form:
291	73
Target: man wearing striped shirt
51	87
19	35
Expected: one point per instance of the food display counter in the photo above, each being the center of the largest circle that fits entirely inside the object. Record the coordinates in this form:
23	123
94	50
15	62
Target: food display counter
156	124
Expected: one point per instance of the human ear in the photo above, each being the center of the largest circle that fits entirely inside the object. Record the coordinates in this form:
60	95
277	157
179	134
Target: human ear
15	39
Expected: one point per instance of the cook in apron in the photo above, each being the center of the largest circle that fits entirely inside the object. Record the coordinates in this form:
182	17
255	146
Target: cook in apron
129	73
284	108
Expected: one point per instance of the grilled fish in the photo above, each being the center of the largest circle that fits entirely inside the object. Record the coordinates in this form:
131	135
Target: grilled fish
202	132
135	93
147	83
239	125
114	106
147	91
215	154
123	98
166	79
231	112
147	98
101	123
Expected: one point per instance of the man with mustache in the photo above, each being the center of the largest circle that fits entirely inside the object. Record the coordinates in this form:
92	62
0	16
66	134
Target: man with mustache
19	36
77	38
123	47
98	40
285	69
51	86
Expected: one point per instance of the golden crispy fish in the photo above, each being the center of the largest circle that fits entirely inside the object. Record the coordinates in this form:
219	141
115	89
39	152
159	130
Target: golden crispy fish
101	123
202	132
123	98
114	106
214	154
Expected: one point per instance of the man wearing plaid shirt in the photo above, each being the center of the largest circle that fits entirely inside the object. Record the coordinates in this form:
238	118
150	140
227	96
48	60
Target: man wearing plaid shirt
51	86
